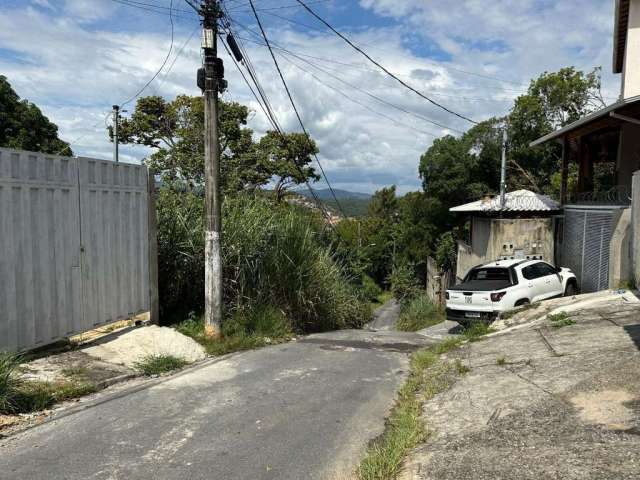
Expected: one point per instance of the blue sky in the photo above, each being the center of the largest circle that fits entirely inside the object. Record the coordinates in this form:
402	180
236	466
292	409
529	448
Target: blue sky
75	58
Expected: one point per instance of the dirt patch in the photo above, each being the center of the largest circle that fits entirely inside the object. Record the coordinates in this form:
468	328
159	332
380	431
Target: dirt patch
608	408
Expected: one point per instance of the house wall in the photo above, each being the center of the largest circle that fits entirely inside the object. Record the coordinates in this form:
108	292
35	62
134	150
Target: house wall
628	153
635	227
495	238
631	69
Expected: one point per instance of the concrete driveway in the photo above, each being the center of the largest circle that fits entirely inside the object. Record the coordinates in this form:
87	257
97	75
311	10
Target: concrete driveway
305	409
542	403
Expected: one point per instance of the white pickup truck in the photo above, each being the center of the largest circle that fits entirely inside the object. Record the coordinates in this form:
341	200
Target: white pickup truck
497	287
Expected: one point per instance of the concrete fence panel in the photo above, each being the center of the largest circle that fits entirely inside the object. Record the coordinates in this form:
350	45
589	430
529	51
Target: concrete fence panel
73	246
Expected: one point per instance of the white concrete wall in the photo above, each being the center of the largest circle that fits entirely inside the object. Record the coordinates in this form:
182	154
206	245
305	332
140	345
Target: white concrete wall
73	246
631	69
620	264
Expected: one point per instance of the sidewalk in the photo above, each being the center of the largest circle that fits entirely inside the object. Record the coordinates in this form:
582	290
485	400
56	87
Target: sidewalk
542	402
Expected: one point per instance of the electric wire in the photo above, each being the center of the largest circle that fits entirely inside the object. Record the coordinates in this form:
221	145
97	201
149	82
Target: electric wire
361	90
137	94
399	80
295	108
271	117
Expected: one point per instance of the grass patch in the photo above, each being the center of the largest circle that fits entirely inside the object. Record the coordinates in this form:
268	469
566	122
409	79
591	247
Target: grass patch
245	330
429	375
559	320
21	396
158	364
501	361
419	313
476	331
33	396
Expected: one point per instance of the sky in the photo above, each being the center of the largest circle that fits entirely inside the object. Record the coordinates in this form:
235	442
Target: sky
77	58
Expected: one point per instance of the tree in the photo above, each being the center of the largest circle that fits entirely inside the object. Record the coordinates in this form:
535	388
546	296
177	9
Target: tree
384	204
288	158
175	131
552	101
458	170
24	127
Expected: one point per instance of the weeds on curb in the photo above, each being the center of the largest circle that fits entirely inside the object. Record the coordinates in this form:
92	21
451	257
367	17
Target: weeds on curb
158	364
429	375
476	331
559	320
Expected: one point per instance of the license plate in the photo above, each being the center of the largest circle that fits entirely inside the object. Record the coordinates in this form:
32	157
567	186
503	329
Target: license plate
472	315
468	299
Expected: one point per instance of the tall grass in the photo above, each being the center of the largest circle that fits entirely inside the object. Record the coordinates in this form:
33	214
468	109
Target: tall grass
9	381
419	313
273	257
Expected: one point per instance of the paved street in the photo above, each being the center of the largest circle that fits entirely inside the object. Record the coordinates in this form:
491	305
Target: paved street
304	409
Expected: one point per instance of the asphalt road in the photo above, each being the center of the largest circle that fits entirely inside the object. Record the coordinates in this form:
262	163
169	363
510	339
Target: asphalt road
384	318
301	410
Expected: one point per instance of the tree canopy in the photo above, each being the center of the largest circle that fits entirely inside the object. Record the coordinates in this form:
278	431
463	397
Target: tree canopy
24	127
175	131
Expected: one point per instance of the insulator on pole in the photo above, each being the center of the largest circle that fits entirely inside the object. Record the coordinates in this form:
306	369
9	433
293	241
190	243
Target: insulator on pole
233	45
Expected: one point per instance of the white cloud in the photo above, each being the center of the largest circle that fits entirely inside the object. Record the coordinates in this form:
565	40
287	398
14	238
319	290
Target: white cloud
77	70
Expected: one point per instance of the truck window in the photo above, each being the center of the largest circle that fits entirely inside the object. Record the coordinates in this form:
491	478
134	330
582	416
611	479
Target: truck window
488	274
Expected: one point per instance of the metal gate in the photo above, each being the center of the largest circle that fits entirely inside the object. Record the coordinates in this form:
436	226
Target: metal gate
74	246
586	242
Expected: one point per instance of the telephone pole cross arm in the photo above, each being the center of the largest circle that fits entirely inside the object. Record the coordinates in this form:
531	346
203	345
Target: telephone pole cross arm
211	82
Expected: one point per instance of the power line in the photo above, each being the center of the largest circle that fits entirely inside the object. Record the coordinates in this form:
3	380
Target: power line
271	117
446	67
353	100
166	74
361	90
280	7
402	82
152	8
295	108
161	66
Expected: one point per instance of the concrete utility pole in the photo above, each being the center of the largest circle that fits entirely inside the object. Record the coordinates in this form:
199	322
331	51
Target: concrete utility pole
211	81
116	118
503	169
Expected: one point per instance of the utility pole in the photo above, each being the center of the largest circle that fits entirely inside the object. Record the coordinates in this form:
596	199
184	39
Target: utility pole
116	118
503	169
211	81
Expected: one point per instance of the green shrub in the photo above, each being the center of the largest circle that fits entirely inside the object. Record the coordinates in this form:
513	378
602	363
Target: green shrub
251	328
272	255
476	331
404	285
261	321
370	289
158	364
419	313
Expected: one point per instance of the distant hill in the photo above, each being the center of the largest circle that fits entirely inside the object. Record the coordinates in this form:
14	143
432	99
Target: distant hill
325	194
354	204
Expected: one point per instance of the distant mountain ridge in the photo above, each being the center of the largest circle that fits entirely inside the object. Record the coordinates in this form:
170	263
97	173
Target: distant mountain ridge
325	194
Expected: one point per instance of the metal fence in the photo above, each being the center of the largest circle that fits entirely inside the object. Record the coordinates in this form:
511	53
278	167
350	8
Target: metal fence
586	243
74	243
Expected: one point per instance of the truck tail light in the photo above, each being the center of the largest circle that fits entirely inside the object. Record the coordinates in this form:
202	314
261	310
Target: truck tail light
496	297
446	295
